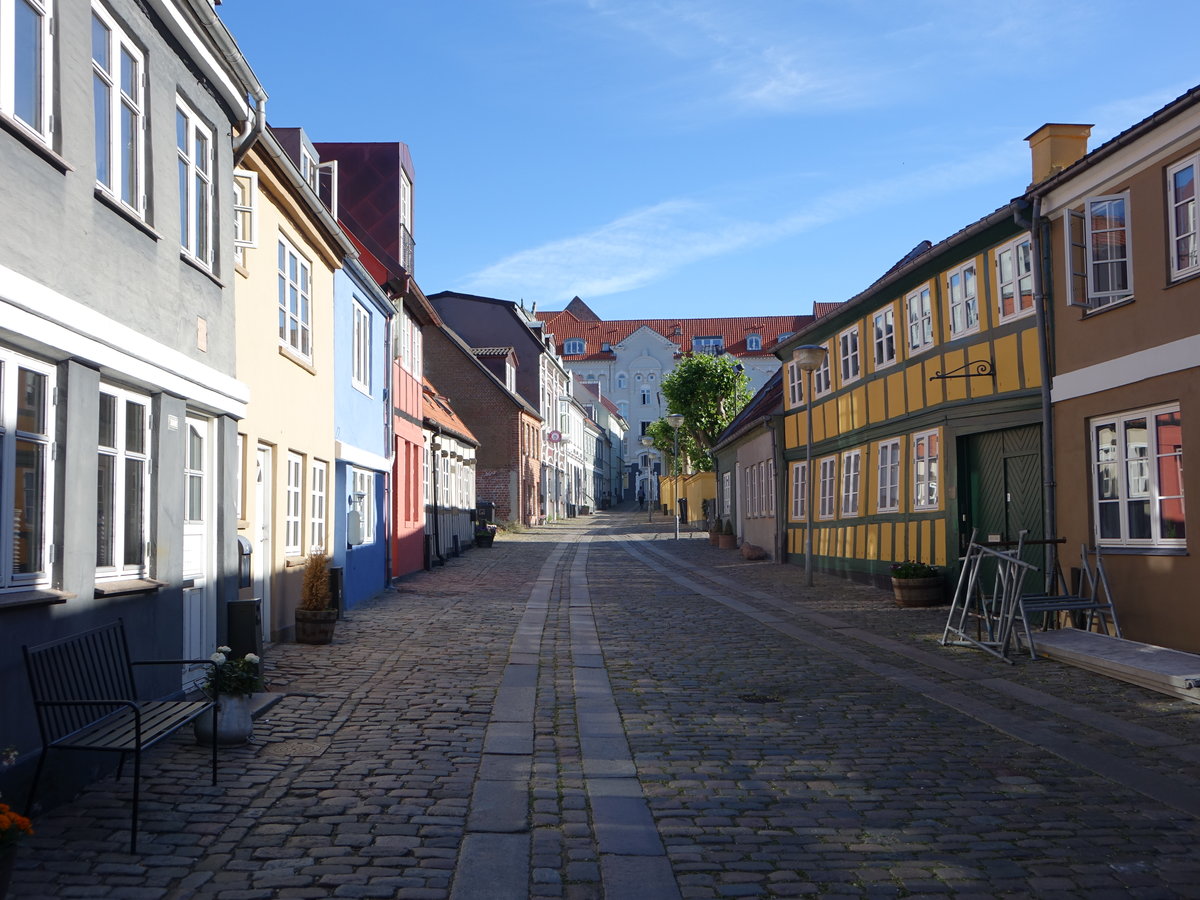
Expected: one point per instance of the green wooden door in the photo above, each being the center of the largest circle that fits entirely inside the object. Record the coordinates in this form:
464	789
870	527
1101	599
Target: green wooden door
1001	486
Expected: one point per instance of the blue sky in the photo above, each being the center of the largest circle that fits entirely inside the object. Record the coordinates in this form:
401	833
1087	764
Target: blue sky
695	158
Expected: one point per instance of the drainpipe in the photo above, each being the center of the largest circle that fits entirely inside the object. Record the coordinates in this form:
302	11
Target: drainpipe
258	123
780	477
1039	249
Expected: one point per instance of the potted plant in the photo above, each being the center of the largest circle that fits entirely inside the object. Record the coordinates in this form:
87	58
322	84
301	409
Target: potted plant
230	683
485	533
315	618
727	540
13	829
916	584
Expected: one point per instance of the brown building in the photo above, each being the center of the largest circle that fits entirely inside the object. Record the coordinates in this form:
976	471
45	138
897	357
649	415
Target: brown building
1124	297
508	466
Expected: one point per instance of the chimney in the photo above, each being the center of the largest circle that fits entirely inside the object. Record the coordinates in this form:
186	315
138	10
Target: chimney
1055	146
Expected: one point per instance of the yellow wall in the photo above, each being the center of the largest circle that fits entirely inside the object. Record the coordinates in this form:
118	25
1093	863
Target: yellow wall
291	405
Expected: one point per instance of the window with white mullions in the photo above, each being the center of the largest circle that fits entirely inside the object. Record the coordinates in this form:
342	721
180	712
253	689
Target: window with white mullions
1098	248
884	337
888	499
122	484
245	213
827	498
821	382
295	304
925	456
799	491
962	289
795	381
848	354
293	512
920	319
26	64
1181	207
118	79
1138	479
316	518
1014	278
851	478
194	160
361	351
26	472
193	474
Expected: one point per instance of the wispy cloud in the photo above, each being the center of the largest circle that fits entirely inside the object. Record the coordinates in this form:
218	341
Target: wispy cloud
775	62
647	245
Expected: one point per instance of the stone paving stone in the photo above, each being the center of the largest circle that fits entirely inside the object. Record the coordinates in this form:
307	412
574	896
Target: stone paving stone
786	742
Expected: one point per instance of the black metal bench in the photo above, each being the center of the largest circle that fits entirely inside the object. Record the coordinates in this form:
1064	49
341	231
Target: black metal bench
86	699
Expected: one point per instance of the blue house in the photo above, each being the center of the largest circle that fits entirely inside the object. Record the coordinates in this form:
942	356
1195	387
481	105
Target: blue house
362	422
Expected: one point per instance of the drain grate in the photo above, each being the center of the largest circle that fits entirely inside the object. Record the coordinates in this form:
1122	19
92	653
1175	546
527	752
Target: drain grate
295	748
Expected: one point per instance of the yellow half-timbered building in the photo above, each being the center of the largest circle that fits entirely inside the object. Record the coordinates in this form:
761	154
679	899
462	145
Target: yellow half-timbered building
927	410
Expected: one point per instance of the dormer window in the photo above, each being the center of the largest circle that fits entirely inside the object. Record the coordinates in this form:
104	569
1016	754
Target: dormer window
573	347
754	342
714	346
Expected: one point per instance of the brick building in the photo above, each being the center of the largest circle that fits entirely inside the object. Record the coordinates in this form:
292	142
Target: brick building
508	464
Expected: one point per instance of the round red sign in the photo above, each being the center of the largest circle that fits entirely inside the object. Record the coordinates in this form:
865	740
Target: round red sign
555	436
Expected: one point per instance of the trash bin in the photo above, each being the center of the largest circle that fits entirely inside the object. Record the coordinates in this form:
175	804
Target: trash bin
244	622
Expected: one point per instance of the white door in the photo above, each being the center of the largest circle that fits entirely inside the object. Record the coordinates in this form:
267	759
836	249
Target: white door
199	597
260	562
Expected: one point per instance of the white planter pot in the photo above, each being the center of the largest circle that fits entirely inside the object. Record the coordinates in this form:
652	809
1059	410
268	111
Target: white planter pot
234	724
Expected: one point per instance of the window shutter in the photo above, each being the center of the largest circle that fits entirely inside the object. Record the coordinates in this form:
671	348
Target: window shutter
1075	224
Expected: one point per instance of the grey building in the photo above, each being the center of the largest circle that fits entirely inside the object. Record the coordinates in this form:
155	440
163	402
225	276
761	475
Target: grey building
118	395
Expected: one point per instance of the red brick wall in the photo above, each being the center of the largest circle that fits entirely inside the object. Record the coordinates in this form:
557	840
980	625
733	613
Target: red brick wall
506	473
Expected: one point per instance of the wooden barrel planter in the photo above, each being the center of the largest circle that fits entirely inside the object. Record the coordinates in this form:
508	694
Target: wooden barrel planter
913	592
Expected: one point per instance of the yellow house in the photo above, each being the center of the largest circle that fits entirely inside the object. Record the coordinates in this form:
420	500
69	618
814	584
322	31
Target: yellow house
926	412
289	247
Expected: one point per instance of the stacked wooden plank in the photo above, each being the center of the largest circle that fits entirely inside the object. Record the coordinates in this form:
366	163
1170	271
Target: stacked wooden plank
1167	671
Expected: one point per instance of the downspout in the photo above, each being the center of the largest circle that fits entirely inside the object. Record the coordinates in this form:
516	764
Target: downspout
778	489
258	123
1039	249
436	465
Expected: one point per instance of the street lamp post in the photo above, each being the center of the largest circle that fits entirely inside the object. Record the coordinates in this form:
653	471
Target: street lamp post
808	359
675	420
648	442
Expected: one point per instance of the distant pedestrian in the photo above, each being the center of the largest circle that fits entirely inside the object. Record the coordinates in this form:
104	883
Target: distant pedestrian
641	498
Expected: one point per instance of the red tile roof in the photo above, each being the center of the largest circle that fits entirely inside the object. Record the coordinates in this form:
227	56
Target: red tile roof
440	413
594	388
565	325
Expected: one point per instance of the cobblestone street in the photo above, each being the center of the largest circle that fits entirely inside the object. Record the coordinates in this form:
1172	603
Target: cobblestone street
595	710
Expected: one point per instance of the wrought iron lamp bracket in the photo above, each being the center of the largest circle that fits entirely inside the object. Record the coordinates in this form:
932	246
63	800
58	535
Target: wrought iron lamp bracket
982	369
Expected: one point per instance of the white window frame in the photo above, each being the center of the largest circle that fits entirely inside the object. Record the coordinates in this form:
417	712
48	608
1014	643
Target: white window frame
827	495
120	513
754	342
769	487
293	510
318	494
363	481
799	491
574	347
821	381
110	75
245	213
849	359
294	274
887	497
926	465
11	365
962	297
918	315
1082	289
883	331
360	347
1015	278
1182	219
795	382
42	125
726	498
851	482
1120	475
195	165
712	345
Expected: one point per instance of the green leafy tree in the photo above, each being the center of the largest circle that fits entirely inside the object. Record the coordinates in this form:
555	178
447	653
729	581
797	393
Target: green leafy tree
709	392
